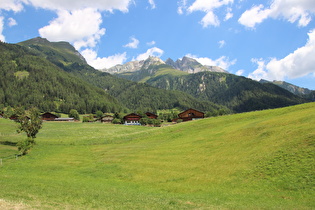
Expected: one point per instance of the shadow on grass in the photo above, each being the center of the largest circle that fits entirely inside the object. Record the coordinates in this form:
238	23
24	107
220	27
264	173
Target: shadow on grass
9	143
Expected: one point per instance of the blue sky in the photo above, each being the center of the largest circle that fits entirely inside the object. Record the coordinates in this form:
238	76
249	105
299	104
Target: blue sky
273	39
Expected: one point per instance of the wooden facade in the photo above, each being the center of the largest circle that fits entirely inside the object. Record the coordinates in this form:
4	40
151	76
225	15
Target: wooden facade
190	114
151	115
132	119
49	116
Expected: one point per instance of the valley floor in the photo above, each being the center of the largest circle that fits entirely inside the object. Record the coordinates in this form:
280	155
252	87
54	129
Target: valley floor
256	160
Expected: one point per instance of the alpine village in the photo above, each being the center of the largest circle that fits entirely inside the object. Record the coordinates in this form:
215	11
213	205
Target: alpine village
148	134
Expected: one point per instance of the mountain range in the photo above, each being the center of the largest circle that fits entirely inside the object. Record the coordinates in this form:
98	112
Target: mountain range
185	64
55	77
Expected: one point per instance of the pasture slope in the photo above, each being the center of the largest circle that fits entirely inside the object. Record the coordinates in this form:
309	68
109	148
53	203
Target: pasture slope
255	160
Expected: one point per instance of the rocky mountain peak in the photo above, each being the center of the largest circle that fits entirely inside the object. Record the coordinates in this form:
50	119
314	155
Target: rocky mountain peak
151	60
191	65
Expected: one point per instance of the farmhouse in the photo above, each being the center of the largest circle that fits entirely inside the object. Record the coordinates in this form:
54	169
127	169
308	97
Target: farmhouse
151	115
190	114
107	119
132	119
47	116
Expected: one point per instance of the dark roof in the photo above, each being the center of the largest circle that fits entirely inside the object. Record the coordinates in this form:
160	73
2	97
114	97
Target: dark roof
190	109
132	114
49	114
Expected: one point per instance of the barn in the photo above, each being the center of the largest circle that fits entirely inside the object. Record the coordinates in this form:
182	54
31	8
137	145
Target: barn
47	116
190	114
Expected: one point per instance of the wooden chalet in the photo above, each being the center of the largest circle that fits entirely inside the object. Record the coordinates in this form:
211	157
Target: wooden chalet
107	119
151	115
190	114
47	116
132	119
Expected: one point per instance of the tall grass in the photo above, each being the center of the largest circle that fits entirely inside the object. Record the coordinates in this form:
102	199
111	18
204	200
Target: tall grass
257	160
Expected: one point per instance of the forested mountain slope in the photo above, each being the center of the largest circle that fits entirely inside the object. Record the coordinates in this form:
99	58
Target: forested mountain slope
238	93
28	79
60	79
131	94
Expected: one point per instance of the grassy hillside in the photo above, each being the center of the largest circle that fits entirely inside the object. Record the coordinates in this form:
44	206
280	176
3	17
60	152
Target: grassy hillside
256	160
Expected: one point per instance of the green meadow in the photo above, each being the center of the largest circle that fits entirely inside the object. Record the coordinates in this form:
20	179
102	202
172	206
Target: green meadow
255	160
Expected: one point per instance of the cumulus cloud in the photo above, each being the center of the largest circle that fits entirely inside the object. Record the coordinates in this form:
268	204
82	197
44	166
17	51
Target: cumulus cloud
256	14
223	62
229	14
133	44
2	38
299	11
151	43
297	64
12	22
152	3
221	43
102	5
12	5
80	27
208	7
240	72
156	52
106	62
182	5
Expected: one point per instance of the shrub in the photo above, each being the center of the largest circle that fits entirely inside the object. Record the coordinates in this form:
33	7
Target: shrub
74	113
116	121
25	145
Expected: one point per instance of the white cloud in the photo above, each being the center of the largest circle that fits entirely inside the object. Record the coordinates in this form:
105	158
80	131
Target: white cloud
80	27
151	43
240	72
106	62
292	10
12	5
221	43
182	5
102	5
253	16
2	38
297	64
208	7
12	22
223	62
133	44
229	14
260	72
210	19
152	3
156	52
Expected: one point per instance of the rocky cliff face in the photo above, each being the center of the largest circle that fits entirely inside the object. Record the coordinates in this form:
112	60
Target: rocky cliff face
133	66
192	66
185	64
292	88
